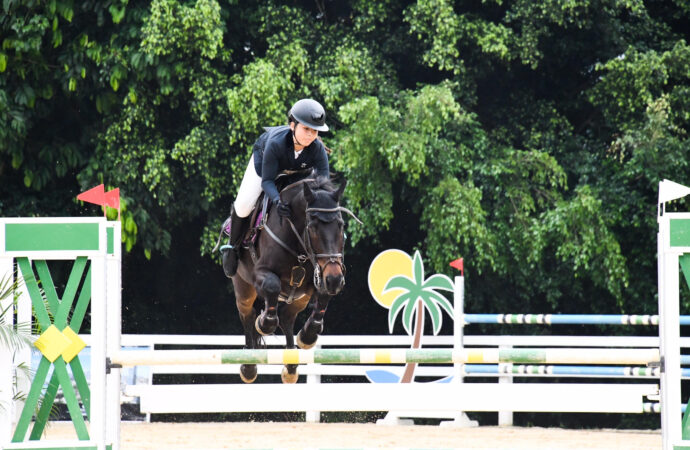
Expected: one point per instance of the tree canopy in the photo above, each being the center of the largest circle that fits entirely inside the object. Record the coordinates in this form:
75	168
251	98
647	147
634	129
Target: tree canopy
528	137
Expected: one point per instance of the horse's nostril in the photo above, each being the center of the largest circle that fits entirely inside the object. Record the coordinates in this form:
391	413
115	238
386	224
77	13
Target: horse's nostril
334	283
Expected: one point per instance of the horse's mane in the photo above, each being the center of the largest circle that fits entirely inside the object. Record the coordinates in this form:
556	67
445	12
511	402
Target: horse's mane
316	184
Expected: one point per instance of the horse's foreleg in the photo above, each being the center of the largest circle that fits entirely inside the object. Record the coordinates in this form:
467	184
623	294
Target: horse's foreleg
308	335
251	338
268	286
245	296
287	315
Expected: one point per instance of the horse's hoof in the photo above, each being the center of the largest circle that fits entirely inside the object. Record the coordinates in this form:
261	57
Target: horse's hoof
248	372
267	321
287	377
301	344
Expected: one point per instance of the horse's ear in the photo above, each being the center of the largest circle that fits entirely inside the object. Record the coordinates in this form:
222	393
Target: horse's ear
308	193
337	195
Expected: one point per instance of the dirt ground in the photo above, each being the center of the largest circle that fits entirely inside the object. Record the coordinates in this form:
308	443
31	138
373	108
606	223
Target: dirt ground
207	436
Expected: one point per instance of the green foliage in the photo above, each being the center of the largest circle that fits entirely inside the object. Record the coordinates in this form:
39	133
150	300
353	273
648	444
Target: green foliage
634	79
456	224
577	233
527	137
12	336
171	26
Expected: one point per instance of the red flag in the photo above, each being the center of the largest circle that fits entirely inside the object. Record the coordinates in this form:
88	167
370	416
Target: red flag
112	198
94	195
458	264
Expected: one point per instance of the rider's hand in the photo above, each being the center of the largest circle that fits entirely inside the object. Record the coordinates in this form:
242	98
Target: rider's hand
283	209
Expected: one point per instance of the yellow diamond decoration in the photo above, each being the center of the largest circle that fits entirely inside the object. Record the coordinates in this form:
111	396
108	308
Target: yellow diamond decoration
76	345
52	343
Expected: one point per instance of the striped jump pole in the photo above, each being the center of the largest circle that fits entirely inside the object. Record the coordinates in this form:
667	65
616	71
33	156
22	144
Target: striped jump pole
565	370
568	319
641	356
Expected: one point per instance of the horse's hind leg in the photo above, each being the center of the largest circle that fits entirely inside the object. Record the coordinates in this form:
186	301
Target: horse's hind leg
288	313
268	286
245	295
309	333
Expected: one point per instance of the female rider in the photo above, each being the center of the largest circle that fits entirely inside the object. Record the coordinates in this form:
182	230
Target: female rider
284	148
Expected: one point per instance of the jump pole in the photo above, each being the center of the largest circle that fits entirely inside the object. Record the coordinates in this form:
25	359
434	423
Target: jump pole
642	356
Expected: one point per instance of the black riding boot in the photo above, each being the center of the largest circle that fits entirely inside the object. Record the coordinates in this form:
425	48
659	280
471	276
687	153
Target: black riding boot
232	250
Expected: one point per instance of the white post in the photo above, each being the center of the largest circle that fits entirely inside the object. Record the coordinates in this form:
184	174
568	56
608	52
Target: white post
98	344
6	403
113	299
459	323
6	362
461	419
313	378
669	335
665	436
505	418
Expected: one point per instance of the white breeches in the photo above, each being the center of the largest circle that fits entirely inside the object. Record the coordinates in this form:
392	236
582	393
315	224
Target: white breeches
249	191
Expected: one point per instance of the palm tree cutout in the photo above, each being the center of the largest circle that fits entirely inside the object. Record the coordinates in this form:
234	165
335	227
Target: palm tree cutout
417	295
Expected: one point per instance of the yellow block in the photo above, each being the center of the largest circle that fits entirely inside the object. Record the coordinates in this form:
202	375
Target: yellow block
76	344
382	357
291	357
475	356
52	343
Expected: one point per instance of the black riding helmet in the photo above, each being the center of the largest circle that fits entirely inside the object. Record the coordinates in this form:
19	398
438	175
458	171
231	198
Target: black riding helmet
309	113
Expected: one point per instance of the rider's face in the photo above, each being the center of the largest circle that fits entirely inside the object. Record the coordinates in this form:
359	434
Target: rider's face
303	134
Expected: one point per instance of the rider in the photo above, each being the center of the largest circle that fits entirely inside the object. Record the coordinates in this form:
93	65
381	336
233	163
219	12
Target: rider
283	148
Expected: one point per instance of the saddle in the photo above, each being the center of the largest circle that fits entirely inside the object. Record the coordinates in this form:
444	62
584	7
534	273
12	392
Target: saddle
259	215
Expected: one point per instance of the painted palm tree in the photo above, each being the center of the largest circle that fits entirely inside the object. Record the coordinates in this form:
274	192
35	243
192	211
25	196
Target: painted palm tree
418	294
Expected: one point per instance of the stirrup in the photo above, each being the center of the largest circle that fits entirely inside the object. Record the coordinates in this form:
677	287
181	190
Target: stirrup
223	230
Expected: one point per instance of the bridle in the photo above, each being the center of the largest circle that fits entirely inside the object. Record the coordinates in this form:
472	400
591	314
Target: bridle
309	253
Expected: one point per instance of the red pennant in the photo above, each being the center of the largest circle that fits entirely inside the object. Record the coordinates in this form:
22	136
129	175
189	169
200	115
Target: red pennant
112	198
458	264
94	195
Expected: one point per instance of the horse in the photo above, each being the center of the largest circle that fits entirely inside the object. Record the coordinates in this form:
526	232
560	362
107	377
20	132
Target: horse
296	261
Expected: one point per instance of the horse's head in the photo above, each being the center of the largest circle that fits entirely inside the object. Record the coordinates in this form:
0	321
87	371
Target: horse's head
324	236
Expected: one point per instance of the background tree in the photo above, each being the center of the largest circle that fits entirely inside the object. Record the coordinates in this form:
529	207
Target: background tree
527	137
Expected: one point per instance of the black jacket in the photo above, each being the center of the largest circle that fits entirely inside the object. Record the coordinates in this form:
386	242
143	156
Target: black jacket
274	152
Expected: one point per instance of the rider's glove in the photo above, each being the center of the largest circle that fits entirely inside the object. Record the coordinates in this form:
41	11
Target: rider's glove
283	209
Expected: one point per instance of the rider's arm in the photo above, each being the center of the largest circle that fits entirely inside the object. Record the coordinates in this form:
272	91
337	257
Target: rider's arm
321	161
269	172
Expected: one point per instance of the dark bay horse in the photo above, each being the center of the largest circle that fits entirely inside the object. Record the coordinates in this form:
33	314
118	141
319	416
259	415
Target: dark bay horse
295	259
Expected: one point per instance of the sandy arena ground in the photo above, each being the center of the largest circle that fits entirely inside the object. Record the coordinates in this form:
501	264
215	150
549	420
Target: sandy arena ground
207	436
